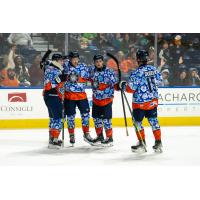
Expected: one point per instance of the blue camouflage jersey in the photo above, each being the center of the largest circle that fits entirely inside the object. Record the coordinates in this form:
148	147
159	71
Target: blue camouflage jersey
76	81
103	82
144	82
52	81
77	77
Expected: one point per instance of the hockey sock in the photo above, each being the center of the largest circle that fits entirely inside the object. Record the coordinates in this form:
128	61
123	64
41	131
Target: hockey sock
109	133
99	130
71	131
140	132
70	123
98	125
54	133
157	134
140	135
108	127
155	128
85	119
85	129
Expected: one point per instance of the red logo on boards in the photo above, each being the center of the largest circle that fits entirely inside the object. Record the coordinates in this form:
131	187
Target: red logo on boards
17	97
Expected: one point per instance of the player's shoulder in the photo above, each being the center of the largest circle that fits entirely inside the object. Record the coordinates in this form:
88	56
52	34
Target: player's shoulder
82	65
150	67
135	72
91	67
109	70
49	68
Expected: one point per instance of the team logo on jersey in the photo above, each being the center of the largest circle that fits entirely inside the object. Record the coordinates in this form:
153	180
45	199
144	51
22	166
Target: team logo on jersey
17	97
73	77
95	84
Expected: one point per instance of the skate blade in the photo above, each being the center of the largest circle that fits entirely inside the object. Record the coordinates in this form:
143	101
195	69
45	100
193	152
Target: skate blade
71	144
91	143
139	151
97	144
159	150
107	145
50	146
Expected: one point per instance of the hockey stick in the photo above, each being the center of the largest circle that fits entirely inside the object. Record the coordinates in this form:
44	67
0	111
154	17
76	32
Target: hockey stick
119	80
134	122
45	56
63	118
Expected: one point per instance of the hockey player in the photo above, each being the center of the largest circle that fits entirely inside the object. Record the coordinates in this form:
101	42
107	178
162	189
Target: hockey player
143	84
75	95
103	81
53	92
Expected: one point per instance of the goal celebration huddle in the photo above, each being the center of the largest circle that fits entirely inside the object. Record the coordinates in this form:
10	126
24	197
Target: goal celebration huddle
65	82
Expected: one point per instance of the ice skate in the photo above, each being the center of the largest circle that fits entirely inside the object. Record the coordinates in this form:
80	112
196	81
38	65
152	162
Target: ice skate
139	147
108	142
87	138
54	143
158	146
98	140
72	139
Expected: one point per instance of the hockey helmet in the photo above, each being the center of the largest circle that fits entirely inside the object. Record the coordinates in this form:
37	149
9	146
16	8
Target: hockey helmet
97	57
56	56
73	54
142	55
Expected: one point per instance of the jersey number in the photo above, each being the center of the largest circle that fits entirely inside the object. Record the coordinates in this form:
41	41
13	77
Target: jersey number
151	83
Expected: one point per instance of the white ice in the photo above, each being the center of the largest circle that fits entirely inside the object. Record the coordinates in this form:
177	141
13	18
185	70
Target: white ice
181	146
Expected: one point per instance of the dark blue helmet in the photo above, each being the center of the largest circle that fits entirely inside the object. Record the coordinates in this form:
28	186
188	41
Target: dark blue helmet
97	57
73	54
142	55
56	56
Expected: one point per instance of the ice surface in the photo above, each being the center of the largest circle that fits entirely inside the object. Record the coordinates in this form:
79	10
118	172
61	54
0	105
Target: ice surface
29	147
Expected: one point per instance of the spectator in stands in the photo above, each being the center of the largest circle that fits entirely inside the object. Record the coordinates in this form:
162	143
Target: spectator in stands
126	64
145	40
176	56
160	41
90	36
24	44
165	76
74	40
11	55
100	41
3	65
22	39
7	75
21	71
9	78
84	43
3	43
117	41
182	78
164	54
109	37
151	56
112	64
36	74
194	79
132	57
126	43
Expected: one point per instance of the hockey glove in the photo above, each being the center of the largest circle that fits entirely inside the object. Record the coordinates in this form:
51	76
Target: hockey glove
122	85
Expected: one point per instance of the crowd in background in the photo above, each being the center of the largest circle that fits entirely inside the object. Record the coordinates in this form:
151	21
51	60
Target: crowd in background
178	55
19	61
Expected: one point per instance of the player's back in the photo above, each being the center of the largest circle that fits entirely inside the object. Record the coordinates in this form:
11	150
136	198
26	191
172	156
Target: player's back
145	80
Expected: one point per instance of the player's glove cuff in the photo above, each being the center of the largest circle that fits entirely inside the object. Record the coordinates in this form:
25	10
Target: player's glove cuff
122	85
